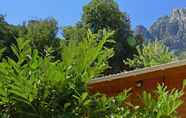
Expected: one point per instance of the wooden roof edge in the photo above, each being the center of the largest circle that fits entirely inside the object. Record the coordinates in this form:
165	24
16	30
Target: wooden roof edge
136	72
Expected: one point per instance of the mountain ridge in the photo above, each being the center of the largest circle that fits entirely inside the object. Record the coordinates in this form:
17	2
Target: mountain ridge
170	29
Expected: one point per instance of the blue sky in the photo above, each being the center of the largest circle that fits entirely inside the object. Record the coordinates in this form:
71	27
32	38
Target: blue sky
68	12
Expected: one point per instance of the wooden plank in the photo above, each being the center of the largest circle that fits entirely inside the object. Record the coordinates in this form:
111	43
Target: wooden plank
139	72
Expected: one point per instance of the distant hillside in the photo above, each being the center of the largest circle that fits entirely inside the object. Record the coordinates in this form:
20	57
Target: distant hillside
169	29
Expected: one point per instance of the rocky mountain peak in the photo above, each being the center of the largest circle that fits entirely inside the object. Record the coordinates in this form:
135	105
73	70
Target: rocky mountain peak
169	29
179	14
143	31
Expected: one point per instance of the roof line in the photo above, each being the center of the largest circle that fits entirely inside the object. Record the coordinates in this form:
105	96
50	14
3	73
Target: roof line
138	72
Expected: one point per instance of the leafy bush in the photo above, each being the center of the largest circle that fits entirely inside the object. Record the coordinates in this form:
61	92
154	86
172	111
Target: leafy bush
151	54
40	83
163	104
36	87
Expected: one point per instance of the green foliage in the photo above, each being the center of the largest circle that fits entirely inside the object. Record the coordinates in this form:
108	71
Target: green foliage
19	81
105	14
41	33
151	54
7	38
135	41
162	104
100	14
36	87
77	32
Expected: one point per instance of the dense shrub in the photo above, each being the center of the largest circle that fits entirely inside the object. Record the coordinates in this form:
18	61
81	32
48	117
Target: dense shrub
37	83
36	87
151	54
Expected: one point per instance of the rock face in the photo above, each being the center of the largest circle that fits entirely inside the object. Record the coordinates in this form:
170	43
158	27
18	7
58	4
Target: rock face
169	29
141	30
